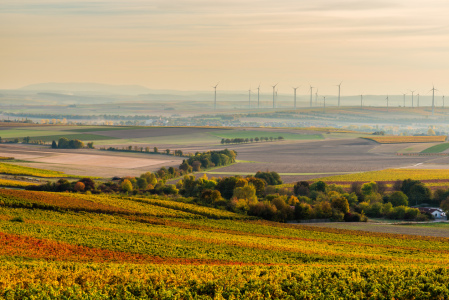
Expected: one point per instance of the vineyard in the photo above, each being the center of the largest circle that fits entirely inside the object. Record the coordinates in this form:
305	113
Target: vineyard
19	170
392	175
65	245
408	139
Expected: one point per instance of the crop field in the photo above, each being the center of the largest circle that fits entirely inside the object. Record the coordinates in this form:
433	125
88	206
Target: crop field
437	148
15	183
408	139
392	175
10	169
102	247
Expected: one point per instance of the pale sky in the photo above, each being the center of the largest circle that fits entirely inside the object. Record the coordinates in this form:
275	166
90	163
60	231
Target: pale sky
375	47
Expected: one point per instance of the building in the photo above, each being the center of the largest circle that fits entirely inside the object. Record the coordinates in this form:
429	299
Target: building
438	213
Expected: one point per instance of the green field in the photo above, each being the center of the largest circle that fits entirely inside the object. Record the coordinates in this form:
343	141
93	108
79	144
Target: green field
437	148
81	136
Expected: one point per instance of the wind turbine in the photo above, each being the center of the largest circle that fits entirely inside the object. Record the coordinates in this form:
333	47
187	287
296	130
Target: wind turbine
215	98
311	88
404	99
274	86
412	97
339	86
443	101
324	104
433	99
417	104
387	103
258	90
294	89
361	101
316	97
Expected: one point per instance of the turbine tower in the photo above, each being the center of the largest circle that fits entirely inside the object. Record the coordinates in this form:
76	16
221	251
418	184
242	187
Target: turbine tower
274	86
324	104
412	97
311	89
417	104
387	103
258	90
215	98
294	89
316	97
339	86
443	101
404	99
361	101
433	99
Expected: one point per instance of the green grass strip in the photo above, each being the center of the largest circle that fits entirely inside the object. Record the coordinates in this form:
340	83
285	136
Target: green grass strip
437	148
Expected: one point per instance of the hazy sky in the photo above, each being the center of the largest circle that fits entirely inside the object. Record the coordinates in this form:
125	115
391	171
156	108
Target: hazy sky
372	46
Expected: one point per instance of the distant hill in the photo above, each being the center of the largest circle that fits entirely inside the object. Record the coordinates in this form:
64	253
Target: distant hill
91	88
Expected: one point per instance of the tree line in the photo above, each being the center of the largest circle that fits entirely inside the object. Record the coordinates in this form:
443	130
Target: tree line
65	143
146	149
250	140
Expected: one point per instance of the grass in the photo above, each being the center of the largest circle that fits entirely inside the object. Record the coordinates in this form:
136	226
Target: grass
437	148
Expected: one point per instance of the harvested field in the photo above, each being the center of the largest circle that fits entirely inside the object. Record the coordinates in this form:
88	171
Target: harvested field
88	162
318	157
122	162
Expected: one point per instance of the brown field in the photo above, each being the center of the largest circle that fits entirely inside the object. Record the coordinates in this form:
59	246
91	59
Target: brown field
317	157
88	162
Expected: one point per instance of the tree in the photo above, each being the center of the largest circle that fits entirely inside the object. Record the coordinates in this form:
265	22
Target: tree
79	187
271	178
90	145
126	186
256	139
155	150
259	185
318	186
247	192
398	198
196	166
88	183
167	151
63	143
76	144
369	188
54	145
301	188
340	204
